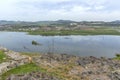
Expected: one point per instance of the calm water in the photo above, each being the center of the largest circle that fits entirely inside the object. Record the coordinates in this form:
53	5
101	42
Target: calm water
99	45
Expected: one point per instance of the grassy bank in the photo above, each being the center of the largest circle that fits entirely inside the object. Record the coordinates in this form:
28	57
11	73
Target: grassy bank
117	57
22	70
3	57
76	32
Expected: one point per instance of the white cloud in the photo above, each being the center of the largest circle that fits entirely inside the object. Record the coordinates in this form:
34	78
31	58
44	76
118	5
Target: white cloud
34	10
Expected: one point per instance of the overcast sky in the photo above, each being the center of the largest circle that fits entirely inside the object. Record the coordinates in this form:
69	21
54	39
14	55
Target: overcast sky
78	10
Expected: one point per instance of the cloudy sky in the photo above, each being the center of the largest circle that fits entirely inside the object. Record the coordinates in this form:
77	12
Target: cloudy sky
78	10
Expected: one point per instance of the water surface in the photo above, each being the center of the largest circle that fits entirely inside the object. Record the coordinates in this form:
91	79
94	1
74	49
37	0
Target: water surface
97	45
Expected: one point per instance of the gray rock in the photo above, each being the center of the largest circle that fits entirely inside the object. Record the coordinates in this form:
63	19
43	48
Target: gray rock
32	76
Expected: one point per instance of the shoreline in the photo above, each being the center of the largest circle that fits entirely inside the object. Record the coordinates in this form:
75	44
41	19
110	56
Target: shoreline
68	32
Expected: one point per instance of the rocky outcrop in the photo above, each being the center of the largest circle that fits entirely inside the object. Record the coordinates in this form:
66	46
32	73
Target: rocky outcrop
75	67
16	59
85	68
53	58
32	76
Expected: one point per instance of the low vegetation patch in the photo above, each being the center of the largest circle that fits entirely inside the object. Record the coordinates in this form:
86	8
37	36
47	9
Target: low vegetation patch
76	32
31	54
35	43
65	67
3	57
117	56
61	71
27	68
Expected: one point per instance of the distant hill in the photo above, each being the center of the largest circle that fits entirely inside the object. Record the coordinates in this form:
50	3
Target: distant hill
116	22
59	22
65	21
4	22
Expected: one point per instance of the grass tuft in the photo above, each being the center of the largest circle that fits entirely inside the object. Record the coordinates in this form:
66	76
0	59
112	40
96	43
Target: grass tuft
23	69
3	57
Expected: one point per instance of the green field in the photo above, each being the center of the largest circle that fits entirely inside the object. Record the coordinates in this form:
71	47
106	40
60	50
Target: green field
76	32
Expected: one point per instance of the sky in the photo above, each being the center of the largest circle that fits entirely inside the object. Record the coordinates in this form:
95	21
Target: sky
77	10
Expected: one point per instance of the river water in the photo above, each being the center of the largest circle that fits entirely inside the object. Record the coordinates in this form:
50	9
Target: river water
97	45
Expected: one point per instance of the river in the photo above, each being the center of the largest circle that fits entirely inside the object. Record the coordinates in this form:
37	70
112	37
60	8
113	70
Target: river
90	45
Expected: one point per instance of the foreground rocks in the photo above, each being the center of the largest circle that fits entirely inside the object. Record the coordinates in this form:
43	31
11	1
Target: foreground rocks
32	76
98	68
68	67
83	68
15	60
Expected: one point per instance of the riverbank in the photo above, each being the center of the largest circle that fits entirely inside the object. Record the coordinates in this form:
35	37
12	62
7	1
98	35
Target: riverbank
58	67
75	32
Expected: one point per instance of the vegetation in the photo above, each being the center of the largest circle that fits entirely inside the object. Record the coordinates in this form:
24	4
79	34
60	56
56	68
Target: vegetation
22	70
31	54
3	57
59	70
117	56
76	32
35	43
63	27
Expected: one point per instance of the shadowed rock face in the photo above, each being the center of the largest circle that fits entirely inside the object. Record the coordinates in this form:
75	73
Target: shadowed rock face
32	76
